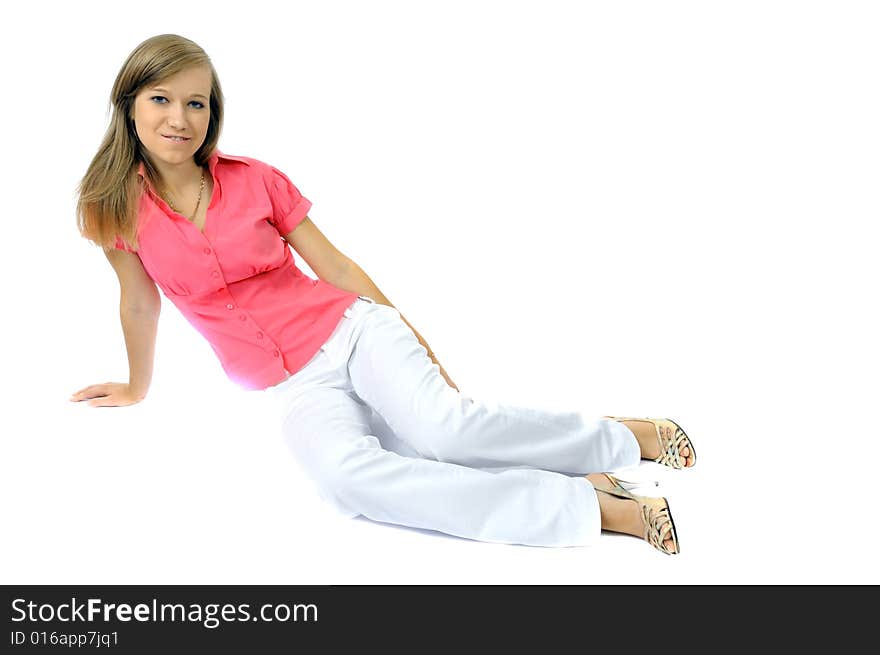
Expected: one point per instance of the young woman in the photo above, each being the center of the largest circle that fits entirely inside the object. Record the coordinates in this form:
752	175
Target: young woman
211	230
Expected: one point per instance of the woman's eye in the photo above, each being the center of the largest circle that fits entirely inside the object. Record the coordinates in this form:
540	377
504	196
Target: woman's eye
201	106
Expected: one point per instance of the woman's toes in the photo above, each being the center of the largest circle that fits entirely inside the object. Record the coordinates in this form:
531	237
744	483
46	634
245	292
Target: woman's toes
669	545
685	451
690	460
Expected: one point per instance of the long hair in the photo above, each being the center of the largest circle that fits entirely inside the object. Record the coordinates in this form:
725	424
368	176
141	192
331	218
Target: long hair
110	191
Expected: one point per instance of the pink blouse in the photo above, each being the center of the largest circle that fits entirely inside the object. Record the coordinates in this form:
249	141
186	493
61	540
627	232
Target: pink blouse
237	282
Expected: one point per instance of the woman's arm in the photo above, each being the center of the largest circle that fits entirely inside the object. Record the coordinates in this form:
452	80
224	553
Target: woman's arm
139	306
139	327
355	280
333	267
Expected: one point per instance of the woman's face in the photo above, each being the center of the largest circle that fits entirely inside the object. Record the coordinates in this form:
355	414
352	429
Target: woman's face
181	108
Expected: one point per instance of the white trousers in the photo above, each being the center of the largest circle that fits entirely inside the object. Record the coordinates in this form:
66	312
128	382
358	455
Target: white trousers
480	470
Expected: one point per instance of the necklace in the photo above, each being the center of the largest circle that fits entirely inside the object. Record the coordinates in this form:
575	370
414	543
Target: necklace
201	188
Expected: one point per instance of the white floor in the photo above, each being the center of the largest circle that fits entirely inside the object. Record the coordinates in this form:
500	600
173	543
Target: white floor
201	490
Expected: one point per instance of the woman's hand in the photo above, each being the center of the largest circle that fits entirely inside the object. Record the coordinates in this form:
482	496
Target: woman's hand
109	394
446	376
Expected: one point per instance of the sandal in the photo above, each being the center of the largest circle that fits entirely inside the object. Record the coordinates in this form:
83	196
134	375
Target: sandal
670	447
655	515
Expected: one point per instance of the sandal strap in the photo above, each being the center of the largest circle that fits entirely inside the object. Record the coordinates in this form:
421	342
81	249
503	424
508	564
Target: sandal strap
670	448
659	527
617	489
658	521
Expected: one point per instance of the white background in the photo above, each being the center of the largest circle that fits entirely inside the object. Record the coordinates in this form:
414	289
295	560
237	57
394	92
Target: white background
632	208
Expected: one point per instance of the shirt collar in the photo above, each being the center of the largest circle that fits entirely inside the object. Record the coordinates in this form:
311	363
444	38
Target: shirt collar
212	164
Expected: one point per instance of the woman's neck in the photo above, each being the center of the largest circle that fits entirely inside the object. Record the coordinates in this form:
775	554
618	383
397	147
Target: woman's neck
180	181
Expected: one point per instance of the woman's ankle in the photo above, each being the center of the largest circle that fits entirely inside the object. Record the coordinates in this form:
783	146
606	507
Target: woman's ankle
617	514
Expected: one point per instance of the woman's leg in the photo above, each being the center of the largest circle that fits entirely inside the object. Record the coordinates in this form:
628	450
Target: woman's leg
327	427
391	371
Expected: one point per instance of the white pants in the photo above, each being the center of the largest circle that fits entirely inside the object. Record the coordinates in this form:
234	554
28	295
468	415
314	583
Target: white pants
374	362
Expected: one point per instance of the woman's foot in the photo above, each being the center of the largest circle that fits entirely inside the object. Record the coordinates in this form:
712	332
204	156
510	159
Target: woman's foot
627	515
646	435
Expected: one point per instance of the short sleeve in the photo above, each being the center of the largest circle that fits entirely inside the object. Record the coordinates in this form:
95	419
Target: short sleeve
289	206
121	245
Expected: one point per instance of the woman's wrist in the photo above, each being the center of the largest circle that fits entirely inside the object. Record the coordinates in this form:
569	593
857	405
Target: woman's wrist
138	389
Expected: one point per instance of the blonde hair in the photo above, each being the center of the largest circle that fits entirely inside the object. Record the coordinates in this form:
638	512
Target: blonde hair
110	191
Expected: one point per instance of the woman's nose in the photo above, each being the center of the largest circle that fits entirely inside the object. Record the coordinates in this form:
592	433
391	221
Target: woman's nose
175	116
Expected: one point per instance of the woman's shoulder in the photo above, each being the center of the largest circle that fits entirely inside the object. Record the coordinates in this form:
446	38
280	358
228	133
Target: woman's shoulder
251	166
271	175
245	159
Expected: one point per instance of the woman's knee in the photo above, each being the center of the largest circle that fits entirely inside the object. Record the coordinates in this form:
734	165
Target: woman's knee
440	430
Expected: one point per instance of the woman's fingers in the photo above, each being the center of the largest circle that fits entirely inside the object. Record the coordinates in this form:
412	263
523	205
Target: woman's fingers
90	391
109	394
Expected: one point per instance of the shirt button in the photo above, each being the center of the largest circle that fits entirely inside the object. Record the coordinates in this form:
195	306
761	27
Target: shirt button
259	335
276	353
242	317
207	251
215	274
230	306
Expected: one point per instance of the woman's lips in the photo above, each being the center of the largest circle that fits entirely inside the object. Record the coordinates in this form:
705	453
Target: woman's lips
173	140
